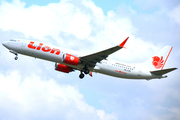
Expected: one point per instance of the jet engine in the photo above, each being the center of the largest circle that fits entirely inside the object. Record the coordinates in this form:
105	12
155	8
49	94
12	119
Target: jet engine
62	68
70	59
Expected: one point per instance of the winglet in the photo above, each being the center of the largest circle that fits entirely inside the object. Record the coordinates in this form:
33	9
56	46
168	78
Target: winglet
123	43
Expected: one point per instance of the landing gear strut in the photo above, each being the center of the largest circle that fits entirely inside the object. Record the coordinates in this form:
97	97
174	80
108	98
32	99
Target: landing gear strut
86	70
15	53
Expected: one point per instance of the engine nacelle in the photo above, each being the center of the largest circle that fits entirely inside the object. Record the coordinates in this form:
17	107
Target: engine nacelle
62	68
70	59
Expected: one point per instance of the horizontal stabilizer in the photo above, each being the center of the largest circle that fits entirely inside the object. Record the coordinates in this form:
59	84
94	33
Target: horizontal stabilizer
162	72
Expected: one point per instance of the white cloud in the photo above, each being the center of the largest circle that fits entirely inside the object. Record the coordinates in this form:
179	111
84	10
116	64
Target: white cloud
87	23
32	91
173	113
104	116
40	21
34	96
175	14
176	112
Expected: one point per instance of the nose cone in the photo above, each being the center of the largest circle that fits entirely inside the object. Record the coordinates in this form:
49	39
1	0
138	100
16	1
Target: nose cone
5	44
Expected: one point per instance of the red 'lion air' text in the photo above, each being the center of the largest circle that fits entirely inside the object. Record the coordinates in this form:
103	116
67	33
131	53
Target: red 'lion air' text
44	48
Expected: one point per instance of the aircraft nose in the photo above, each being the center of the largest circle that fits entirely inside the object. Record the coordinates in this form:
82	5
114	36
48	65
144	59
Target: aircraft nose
5	44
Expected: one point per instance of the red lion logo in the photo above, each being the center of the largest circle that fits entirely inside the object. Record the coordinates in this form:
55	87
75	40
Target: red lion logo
157	62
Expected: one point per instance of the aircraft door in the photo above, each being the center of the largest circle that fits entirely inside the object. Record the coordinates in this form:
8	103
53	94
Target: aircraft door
109	64
23	43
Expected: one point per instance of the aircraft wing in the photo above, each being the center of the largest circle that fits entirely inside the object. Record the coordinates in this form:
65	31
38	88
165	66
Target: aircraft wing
92	59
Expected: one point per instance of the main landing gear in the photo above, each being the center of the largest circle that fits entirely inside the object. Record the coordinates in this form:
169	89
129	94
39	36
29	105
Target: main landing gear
86	71
15	53
81	75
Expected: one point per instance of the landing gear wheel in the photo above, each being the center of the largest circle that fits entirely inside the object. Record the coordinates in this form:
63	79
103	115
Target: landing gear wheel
81	75
16	58
86	71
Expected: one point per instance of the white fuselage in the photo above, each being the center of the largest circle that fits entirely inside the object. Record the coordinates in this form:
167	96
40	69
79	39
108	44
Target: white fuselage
51	53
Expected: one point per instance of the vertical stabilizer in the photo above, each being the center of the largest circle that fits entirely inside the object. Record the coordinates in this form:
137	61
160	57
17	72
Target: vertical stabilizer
158	61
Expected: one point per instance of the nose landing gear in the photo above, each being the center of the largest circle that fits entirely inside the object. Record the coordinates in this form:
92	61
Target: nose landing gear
16	57
15	53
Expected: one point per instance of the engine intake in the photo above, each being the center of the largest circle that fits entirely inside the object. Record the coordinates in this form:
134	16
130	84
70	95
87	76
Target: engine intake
70	59
62	68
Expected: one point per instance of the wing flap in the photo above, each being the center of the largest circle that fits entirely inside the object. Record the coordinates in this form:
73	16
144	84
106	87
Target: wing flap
162	72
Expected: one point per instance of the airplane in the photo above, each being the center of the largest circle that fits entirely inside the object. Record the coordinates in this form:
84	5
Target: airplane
68	60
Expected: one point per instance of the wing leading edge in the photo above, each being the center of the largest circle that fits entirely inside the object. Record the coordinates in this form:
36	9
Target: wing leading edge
92	59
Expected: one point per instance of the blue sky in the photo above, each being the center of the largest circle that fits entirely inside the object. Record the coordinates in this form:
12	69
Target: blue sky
31	88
